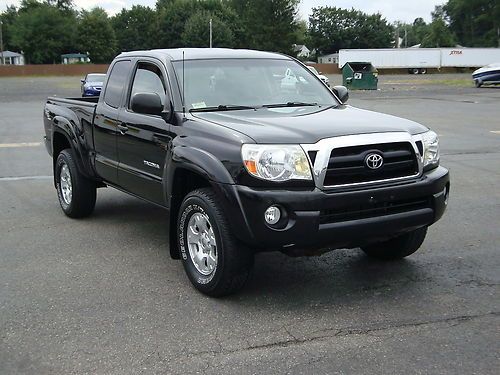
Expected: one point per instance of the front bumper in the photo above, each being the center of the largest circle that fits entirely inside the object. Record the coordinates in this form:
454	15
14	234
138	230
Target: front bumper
359	216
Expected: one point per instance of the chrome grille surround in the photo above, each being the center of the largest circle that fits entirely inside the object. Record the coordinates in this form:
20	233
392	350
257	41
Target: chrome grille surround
324	148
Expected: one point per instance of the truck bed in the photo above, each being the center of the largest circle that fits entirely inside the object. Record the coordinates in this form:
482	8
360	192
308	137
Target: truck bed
78	111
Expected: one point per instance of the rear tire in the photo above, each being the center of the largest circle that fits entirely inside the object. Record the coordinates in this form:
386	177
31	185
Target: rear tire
215	262
478	83
397	248
76	193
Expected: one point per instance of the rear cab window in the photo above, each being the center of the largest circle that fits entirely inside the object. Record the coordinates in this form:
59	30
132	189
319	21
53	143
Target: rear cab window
117	82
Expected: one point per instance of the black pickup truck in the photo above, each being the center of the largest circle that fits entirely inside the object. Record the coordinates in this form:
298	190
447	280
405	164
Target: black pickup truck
248	151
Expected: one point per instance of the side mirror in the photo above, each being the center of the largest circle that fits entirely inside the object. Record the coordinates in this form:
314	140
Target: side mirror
147	103
82	80
342	93
320	72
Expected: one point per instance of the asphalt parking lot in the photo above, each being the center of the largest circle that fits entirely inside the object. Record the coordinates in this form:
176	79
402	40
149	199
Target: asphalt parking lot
102	296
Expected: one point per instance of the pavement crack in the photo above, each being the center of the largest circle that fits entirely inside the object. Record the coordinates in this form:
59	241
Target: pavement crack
344	332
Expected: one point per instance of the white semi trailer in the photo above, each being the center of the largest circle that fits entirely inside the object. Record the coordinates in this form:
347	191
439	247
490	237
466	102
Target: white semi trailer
418	60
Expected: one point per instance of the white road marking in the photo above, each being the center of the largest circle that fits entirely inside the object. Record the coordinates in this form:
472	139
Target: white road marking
21	178
22	144
495	131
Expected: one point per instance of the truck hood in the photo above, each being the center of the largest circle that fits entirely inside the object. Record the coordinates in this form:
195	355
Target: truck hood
308	124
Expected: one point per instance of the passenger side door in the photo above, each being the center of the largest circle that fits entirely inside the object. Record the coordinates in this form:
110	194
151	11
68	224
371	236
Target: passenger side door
144	138
106	121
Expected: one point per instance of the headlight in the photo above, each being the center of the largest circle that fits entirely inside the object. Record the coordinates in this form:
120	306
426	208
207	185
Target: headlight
431	148
276	162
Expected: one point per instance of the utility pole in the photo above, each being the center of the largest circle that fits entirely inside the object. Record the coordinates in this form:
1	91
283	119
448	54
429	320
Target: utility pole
1	42
396	37
210	33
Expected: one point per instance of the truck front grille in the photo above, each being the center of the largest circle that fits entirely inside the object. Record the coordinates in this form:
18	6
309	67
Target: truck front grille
368	210
347	164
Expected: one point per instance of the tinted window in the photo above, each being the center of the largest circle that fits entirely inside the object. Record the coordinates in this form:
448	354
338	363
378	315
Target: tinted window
148	79
116	83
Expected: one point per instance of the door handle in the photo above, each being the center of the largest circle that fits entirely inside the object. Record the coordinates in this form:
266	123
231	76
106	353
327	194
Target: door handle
160	141
123	129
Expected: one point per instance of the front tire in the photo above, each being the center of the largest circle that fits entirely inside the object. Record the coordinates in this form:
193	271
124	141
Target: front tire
478	83
215	262
397	248
77	194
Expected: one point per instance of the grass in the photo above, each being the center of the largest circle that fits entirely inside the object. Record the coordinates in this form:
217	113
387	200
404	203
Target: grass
455	82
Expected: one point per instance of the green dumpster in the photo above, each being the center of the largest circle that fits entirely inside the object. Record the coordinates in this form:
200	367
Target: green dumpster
360	76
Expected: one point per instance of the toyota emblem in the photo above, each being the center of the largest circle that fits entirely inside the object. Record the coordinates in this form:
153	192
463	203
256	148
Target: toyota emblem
374	161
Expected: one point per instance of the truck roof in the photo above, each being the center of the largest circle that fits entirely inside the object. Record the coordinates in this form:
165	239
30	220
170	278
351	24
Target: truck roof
175	54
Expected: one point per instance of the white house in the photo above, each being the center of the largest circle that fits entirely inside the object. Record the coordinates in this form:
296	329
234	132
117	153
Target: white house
332	58
301	50
11	58
75	58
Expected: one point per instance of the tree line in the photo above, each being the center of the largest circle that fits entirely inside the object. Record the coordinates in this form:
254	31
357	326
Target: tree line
45	29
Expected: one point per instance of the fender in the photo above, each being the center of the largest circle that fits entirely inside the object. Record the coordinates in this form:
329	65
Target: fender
196	160
62	126
212	170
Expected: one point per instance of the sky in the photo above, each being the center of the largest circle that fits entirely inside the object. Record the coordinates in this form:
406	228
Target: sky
392	10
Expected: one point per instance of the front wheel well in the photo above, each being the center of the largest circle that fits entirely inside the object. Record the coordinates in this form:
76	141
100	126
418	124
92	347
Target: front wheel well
184	181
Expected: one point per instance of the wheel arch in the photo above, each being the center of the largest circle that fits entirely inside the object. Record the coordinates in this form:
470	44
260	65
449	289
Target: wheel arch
60	141
182	181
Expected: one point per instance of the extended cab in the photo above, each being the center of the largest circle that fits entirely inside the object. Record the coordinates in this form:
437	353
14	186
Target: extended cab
245	160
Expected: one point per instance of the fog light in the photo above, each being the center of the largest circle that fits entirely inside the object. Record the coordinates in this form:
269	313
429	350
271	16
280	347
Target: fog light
272	215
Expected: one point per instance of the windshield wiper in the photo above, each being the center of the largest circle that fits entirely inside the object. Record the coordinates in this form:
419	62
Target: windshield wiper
222	107
290	104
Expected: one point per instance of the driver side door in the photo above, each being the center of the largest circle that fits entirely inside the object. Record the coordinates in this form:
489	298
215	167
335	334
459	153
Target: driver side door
144	139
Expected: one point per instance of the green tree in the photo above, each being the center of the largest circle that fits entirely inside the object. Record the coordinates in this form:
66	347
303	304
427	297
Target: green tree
136	28
412	33
419	29
269	25
9	18
174	14
43	32
301	32
331	29
65	5
197	32
96	36
172	19
438	33
474	22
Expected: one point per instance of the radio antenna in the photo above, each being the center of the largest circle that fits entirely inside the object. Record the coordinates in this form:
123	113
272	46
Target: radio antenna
183	88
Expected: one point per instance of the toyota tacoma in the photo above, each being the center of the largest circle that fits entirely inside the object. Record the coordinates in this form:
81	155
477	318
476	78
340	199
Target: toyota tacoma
245	159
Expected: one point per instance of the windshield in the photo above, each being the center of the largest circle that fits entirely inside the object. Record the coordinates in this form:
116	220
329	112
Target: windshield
231	83
95	77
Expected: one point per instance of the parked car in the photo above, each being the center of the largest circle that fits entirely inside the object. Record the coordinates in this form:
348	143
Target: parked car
92	84
242	164
319	75
489	74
